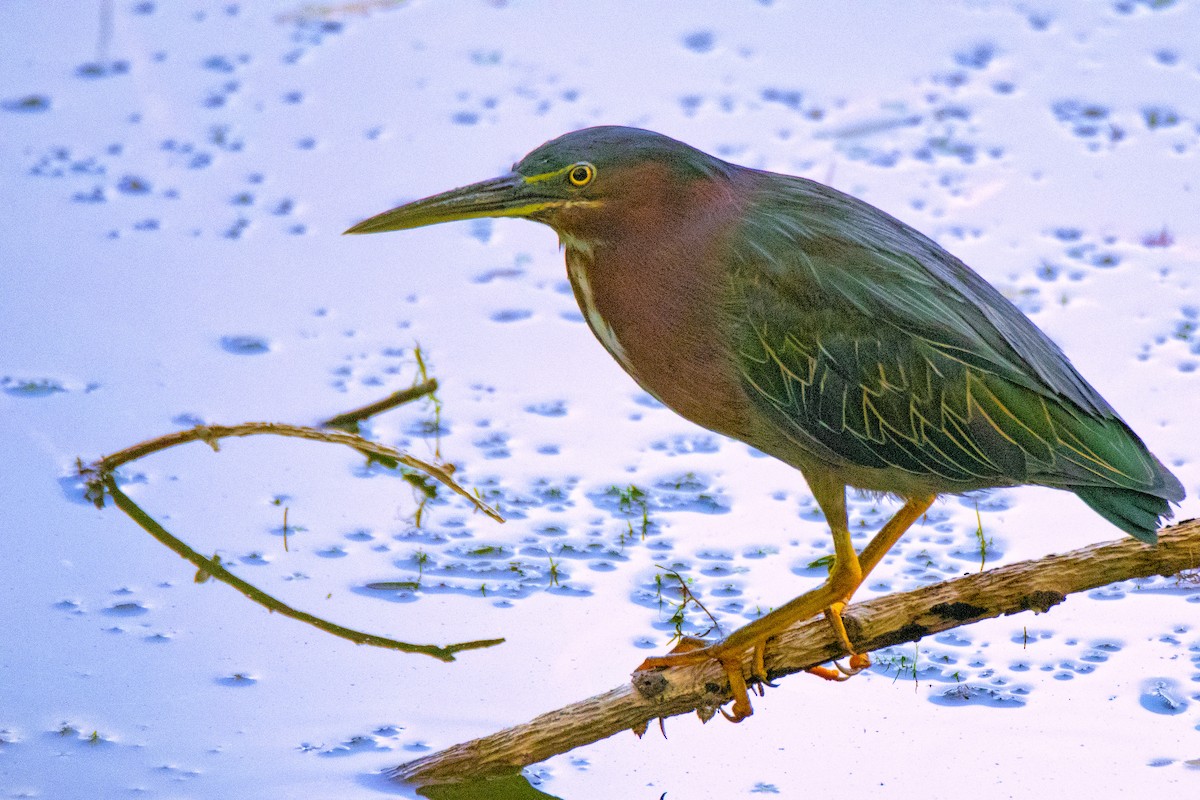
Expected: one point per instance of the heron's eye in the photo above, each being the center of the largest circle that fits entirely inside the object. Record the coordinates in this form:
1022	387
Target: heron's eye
581	174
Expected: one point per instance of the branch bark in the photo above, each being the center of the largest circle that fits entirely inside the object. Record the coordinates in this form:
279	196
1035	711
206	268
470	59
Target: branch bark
1026	586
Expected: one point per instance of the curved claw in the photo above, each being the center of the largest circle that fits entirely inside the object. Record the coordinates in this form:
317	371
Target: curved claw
738	711
825	673
735	717
859	662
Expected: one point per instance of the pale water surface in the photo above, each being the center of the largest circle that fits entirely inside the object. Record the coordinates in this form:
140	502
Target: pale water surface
175	179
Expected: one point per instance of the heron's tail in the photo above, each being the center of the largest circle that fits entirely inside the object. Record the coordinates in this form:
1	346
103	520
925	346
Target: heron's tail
1138	513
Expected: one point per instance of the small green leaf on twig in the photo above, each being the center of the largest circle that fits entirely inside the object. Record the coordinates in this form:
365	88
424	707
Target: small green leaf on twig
203	575
825	561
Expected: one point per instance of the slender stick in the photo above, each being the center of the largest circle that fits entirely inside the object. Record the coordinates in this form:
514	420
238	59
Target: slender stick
211	434
214	568
1026	586
99	479
349	420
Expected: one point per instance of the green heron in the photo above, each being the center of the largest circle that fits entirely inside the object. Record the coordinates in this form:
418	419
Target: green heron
819	330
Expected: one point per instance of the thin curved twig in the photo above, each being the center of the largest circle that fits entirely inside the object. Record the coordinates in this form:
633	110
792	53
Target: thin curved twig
213	567
95	473
100	481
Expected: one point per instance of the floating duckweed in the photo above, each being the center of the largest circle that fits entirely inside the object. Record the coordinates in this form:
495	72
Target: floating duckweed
31	387
245	345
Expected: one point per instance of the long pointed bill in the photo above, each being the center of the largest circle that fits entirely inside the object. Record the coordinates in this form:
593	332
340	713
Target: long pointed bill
508	196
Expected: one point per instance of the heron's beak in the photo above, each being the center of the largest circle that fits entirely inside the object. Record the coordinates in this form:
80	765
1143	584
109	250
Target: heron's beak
509	196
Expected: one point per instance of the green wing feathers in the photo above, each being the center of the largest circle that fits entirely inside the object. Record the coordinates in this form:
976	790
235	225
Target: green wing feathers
878	350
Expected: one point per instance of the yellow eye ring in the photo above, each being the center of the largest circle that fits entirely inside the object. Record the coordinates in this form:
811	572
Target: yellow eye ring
581	174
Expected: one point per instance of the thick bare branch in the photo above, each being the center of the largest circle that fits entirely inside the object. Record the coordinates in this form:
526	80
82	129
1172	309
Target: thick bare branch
1026	586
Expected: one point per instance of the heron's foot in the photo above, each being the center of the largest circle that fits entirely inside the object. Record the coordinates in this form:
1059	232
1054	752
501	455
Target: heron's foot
858	661
691	651
752	638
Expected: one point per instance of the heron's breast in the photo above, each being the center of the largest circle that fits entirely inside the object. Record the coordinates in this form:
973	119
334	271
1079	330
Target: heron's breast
665	328
578	261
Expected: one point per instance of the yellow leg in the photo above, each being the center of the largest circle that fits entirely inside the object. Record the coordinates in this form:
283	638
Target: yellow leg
870	557
849	570
890	533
